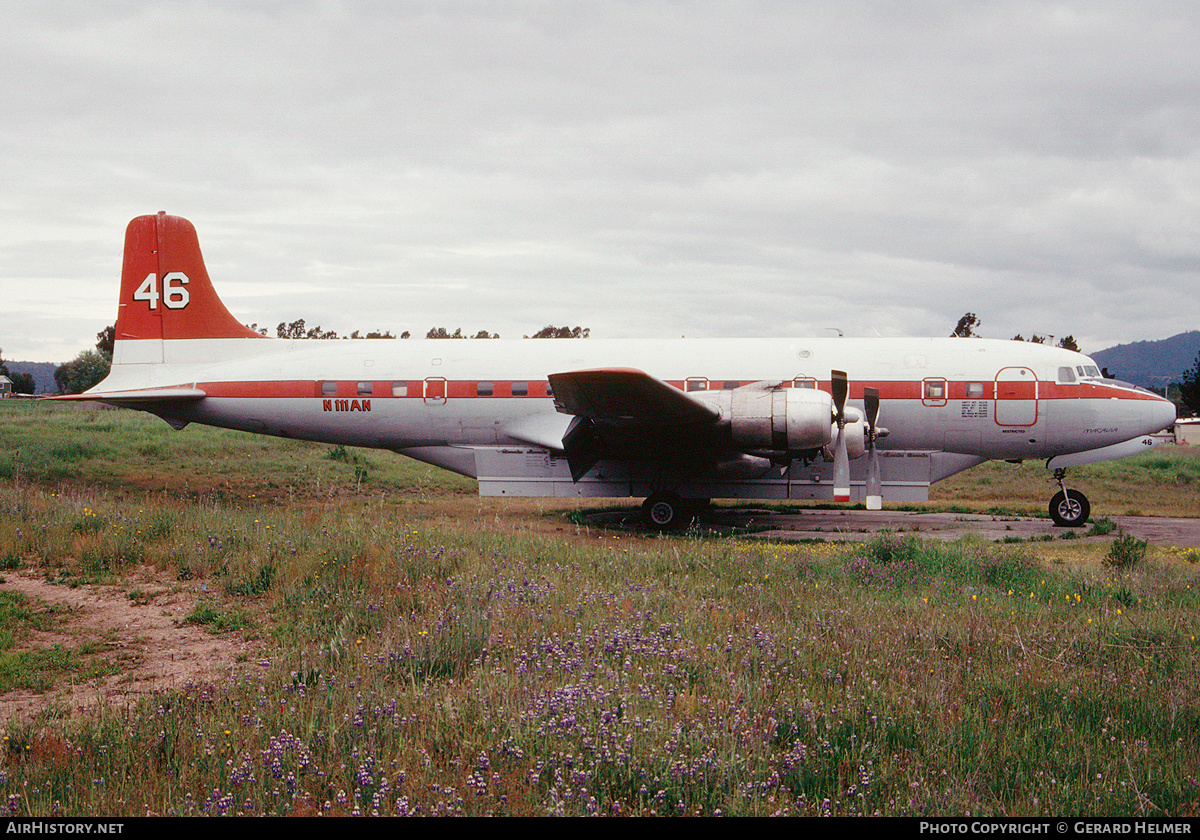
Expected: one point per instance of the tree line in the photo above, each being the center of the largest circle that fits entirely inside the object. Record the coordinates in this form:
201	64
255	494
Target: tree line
965	328
299	330
22	383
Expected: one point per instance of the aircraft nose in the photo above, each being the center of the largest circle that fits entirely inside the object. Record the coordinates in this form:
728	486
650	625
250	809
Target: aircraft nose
1162	413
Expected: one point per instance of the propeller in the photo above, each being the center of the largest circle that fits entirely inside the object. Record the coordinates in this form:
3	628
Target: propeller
840	388
874	480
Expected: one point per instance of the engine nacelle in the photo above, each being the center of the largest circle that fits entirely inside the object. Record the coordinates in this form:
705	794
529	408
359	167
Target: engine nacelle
764	417
856	434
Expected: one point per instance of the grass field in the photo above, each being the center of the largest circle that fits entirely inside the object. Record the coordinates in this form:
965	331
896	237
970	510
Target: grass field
428	652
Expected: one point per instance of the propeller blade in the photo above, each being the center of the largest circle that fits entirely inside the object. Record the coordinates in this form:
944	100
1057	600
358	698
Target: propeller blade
874	481
871	403
874	477
840	389
841	467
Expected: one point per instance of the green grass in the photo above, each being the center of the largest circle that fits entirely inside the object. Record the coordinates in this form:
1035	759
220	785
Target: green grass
218	617
81	444
1162	482
17	617
39	669
429	652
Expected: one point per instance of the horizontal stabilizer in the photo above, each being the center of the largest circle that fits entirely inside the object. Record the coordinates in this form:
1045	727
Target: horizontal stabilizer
138	396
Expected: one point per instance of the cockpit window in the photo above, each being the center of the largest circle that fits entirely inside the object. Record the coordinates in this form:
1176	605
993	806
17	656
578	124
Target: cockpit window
1065	374
1088	370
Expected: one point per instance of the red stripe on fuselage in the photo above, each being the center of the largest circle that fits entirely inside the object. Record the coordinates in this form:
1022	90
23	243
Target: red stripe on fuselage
536	388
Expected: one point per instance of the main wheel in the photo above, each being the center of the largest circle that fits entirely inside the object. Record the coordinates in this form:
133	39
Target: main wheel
665	511
1069	509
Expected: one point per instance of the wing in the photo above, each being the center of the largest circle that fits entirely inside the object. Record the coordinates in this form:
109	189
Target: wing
626	413
627	397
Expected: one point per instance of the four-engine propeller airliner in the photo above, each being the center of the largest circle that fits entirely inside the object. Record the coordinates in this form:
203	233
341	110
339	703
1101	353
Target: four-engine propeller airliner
678	422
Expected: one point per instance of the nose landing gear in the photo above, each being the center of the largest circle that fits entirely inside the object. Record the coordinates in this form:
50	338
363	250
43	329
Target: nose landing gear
1068	508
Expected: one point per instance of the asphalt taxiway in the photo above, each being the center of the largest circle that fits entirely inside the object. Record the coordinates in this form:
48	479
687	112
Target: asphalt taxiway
834	524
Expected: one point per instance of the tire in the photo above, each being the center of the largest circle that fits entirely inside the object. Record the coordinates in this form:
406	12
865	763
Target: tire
1069	509
665	512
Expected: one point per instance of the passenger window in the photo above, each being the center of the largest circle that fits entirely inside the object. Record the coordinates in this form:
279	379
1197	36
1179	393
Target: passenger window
974	390
483	389
935	390
520	389
729	386
399	389
364	389
329	389
1066	375
697	384
804	382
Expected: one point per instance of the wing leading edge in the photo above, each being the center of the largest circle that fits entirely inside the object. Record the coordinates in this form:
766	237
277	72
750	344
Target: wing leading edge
627	397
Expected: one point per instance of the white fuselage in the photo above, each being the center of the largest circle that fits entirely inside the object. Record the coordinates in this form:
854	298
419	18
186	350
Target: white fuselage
991	399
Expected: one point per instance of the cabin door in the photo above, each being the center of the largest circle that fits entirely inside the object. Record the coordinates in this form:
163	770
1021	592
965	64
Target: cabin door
1016	397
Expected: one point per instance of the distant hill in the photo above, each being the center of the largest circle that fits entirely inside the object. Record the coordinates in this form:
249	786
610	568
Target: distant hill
1151	364
43	374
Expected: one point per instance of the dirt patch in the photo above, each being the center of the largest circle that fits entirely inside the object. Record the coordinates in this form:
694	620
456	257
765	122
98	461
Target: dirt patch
158	650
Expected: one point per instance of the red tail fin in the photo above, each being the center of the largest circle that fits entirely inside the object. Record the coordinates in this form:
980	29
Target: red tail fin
165	290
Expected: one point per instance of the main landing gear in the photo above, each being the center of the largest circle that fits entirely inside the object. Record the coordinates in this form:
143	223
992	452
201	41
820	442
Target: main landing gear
667	511
1068	508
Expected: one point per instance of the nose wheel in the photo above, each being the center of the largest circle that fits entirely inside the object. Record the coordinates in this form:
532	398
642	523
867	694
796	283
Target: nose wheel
1068	508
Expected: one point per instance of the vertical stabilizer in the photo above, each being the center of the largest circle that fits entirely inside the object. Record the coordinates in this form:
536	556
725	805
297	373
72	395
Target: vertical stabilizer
165	290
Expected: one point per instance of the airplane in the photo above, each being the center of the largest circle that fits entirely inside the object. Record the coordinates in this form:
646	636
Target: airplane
678	422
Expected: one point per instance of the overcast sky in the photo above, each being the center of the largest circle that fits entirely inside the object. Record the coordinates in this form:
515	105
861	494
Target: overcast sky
643	168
